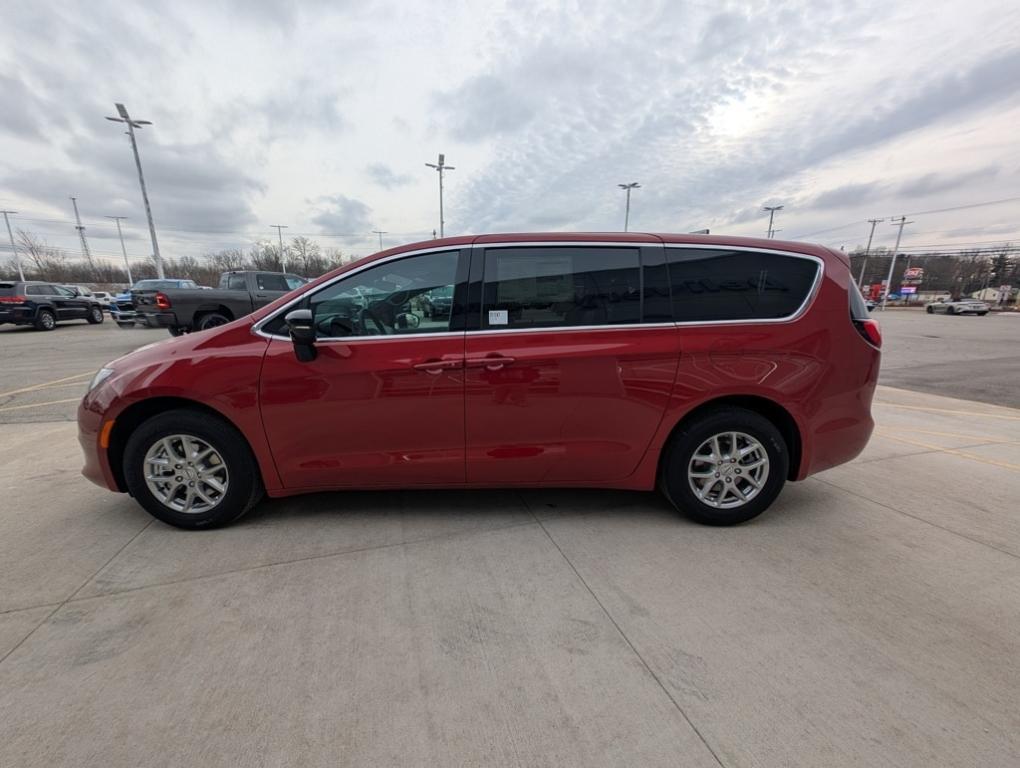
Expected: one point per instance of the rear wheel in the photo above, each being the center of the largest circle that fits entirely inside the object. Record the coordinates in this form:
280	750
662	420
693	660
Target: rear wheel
45	320
930	310
191	470
211	320
725	467
95	316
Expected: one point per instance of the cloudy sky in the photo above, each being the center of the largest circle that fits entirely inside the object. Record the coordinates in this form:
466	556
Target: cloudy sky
321	115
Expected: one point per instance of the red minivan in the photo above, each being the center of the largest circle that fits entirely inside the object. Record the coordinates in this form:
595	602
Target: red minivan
713	368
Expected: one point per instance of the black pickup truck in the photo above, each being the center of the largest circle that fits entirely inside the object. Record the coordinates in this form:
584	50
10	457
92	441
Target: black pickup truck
182	310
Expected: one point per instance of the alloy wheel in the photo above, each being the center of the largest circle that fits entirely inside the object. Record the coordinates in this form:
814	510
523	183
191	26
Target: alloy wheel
728	470
186	474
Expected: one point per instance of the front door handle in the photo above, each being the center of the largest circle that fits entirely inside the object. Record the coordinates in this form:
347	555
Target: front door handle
436	367
491	363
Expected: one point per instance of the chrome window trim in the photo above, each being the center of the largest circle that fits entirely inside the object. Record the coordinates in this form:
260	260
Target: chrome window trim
257	327
808	300
796	315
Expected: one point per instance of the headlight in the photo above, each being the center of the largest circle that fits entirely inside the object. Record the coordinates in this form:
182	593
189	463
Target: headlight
101	375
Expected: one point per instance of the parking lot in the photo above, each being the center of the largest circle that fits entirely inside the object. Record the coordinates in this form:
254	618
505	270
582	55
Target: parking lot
870	618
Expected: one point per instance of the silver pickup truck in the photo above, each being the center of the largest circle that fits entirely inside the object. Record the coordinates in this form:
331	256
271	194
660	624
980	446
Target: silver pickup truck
182	310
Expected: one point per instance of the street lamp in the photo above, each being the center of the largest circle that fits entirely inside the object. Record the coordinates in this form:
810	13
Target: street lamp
132	124
440	167
772	213
628	188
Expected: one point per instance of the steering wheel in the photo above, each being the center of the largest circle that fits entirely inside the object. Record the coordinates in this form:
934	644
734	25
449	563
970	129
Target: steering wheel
366	312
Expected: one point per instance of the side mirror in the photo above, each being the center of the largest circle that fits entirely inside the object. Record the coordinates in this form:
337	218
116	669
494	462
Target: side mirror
301	325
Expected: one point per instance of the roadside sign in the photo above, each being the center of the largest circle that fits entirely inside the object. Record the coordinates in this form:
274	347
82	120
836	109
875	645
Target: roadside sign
908	289
914	273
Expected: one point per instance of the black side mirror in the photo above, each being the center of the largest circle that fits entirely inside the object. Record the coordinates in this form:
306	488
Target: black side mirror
301	325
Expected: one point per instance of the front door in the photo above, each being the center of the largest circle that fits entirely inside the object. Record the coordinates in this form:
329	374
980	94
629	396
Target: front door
568	376
69	304
383	402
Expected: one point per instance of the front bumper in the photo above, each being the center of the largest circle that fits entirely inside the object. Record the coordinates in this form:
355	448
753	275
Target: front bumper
97	463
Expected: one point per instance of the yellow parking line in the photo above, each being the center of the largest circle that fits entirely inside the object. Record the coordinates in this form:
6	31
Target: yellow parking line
985	438
954	452
39	405
45	384
946	410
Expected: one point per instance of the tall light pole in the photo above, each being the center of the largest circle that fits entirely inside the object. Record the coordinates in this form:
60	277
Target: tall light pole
283	257
17	256
81	236
901	222
628	188
123	250
867	250
380	232
772	213
440	167
131	125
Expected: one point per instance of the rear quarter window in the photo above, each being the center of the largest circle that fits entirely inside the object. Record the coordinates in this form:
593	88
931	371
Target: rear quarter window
717	285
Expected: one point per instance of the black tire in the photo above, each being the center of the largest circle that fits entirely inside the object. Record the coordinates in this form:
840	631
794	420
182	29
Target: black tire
244	488
930	310
95	316
211	320
950	311
981	314
45	320
176	330
687	440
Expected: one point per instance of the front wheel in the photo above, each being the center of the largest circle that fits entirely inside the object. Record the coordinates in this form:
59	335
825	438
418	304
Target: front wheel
95	316
176	330
725	467
930	310
191	470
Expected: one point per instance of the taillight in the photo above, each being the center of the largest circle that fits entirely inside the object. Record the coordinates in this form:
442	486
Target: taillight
162	301
12	299
870	330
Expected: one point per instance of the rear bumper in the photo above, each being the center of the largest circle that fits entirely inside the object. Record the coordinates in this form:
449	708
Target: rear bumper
17	316
158	319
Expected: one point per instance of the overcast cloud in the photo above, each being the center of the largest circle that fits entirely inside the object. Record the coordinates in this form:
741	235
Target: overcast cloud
321	116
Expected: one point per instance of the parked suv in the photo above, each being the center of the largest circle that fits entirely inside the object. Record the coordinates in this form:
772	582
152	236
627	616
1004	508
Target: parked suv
713	368
45	304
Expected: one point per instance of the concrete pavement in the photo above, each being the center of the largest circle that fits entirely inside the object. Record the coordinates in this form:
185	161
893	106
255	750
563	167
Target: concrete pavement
870	618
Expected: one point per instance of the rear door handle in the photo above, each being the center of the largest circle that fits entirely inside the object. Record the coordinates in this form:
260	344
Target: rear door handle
491	363
436	367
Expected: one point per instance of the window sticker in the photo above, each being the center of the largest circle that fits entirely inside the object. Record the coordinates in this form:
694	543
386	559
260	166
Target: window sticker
499	317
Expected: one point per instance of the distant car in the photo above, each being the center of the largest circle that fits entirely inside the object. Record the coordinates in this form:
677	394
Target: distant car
123	311
43	305
104	298
960	307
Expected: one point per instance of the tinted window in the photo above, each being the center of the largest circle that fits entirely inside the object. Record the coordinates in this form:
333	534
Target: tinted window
553	287
40	290
65	292
236	283
737	285
396	297
269	281
858	309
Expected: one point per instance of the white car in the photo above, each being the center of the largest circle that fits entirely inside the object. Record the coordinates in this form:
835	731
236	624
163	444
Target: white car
960	307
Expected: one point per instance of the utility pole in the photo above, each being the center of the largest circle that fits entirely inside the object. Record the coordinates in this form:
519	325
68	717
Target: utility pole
772	213
81	236
17	256
379	232
867	250
901	222
283	257
131	125
440	167
123	250
628	188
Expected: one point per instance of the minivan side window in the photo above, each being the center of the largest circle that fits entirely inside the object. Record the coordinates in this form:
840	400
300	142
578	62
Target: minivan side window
554	287
712	285
403	296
